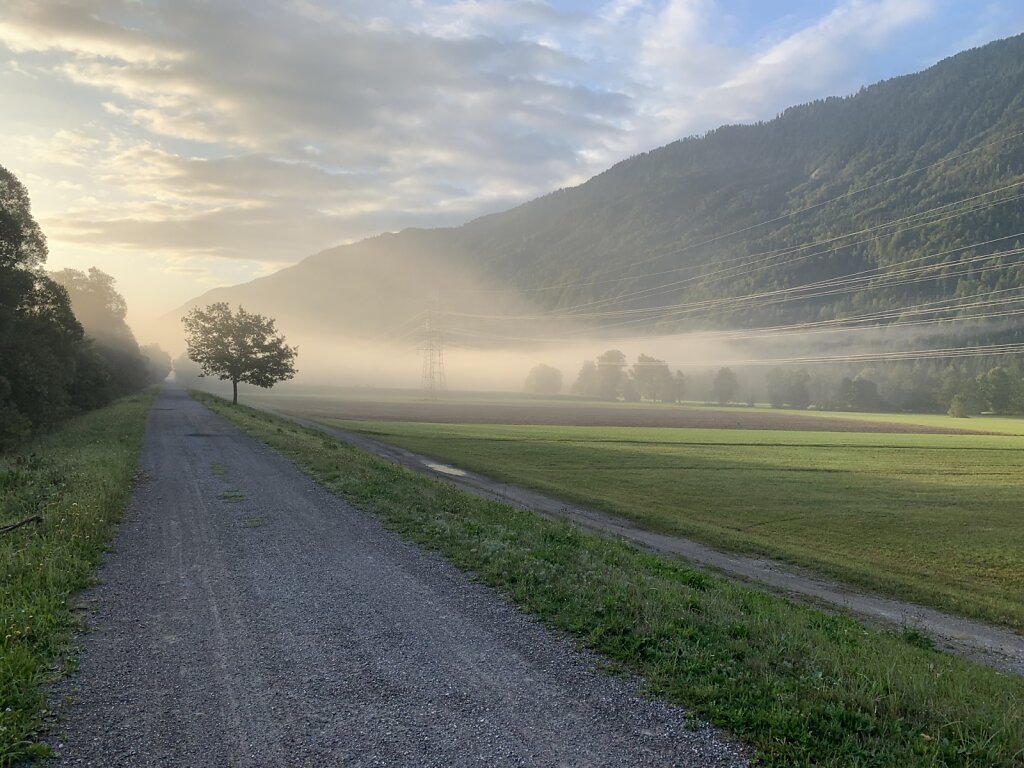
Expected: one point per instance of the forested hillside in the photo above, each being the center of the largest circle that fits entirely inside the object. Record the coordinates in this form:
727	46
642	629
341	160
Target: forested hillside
881	201
50	365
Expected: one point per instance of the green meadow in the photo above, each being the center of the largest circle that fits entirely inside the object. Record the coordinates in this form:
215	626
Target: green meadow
1004	425
938	519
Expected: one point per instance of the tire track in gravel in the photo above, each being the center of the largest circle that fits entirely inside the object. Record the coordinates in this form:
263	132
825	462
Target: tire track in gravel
997	647
246	617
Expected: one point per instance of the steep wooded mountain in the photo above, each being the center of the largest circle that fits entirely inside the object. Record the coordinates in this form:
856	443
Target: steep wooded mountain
922	171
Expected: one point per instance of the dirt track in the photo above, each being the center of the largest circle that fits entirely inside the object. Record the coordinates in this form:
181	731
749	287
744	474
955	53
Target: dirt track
573	414
993	646
249	618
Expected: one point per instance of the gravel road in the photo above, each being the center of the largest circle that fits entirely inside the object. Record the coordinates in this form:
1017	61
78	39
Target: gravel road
249	618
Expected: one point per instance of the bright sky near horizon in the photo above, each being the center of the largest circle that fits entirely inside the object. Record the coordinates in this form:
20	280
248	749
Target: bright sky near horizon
184	144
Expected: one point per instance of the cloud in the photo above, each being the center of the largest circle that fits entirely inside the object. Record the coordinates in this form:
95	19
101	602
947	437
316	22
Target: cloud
373	123
821	56
79	27
260	131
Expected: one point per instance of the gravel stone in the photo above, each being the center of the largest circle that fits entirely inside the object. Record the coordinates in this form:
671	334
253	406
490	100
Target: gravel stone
247	617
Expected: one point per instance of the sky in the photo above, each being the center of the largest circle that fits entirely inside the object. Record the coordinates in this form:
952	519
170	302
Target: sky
185	144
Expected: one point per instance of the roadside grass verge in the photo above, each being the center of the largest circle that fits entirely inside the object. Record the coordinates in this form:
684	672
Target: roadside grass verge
801	686
935	519
77	479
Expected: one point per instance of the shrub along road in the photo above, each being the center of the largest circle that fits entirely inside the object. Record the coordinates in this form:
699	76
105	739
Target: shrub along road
248	617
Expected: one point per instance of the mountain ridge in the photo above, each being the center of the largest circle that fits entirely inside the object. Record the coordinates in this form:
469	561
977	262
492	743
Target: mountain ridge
909	147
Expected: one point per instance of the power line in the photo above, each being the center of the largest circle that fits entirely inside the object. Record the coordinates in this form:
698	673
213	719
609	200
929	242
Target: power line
783	217
766	257
814	289
568	312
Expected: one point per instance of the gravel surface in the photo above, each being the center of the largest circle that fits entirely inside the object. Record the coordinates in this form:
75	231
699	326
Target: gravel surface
997	647
247	617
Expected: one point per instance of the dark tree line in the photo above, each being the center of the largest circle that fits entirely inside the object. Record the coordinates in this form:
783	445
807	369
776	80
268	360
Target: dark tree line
50	367
609	378
960	388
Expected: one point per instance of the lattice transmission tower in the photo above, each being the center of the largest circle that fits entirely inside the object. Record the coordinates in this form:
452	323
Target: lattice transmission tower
433	358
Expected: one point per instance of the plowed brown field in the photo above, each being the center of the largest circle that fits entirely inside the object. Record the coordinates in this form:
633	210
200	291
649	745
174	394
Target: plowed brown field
574	413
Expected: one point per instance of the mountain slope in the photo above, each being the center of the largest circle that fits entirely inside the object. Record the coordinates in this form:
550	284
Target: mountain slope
685	223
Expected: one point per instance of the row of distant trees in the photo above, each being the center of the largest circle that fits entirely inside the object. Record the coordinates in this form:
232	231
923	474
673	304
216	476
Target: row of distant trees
956	390
64	344
609	377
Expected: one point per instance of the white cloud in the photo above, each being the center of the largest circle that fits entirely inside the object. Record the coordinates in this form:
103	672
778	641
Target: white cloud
79	27
821	56
259	131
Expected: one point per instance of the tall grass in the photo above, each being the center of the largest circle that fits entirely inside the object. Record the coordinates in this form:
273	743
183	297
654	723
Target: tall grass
77	479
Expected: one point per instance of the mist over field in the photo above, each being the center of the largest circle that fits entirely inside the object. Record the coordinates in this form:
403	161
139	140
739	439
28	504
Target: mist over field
875	238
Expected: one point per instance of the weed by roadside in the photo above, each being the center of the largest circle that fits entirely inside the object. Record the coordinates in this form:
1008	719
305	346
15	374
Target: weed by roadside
77	480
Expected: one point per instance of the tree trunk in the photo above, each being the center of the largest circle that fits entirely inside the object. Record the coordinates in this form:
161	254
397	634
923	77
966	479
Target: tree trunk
234	391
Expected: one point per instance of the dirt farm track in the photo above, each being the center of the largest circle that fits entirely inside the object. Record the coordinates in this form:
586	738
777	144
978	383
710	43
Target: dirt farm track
569	413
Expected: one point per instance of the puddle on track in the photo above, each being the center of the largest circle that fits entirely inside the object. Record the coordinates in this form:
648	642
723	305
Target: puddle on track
444	468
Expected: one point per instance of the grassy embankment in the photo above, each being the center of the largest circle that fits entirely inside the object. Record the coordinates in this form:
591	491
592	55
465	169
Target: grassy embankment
77	479
932	518
801	686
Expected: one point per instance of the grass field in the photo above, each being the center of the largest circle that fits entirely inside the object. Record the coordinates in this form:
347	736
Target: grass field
802	687
938	519
1005	425
77	479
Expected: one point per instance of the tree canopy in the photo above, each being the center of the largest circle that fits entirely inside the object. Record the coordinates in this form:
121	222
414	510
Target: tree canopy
238	347
102	311
48	368
543	380
41	342
725	386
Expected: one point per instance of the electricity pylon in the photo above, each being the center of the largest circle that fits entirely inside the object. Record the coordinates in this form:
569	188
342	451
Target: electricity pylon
433	358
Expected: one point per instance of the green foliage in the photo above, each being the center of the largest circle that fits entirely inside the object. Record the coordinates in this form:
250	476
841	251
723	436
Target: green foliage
238	347
102	310
611	374
78	479
1003	390
40	338
48	369
802	687
858	394
543	380
158	362
788	388
586	383
725	386
958	407
654	380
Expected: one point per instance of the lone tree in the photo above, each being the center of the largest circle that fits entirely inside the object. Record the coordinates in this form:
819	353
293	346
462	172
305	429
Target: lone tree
725	386
238	347
543	380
